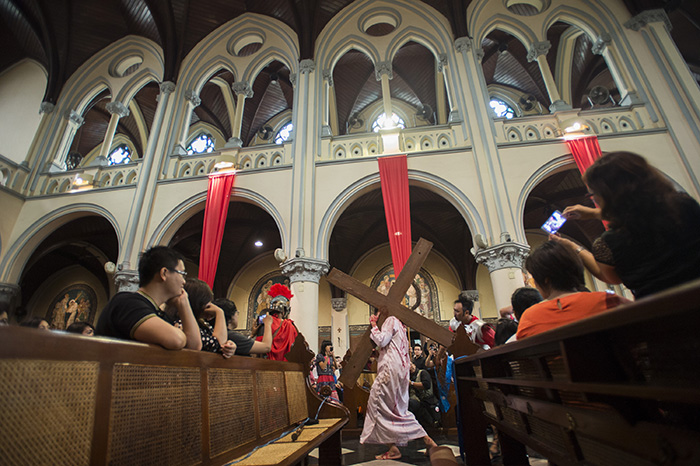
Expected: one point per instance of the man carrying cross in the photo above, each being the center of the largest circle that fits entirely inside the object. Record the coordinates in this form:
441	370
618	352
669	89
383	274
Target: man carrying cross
388	420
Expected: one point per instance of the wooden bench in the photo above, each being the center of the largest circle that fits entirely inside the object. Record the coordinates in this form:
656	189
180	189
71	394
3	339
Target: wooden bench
68	399
619	388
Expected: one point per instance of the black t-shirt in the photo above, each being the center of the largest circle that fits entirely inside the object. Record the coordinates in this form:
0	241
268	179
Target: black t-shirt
419	362
243	343
123	314
424	378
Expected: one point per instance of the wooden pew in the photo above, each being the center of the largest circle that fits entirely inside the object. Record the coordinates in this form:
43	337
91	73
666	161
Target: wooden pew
68	399
619	388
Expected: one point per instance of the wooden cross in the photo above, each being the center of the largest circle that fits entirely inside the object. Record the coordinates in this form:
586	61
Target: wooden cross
389	305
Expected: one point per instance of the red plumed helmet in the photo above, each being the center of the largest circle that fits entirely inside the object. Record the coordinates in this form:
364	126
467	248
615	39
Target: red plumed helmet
279	289
280	300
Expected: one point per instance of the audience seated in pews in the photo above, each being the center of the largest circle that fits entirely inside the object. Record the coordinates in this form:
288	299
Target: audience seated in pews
35	322
558	275
245	346
82	328
653	240
137	316
520	300
479	331
214	340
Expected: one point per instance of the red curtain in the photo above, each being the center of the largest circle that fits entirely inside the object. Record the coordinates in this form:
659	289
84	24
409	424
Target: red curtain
585	151
218	196
393	173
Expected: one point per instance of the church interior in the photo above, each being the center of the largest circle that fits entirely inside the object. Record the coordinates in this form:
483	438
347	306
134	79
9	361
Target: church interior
116	113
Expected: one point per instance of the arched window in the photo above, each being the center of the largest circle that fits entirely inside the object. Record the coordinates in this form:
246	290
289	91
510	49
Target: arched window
201	144
284	133
122	154
502	109
380	122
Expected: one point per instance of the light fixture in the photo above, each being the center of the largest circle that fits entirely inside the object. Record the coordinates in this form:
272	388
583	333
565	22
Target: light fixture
574	129
258	243
397	233
225	162
390	140
82	181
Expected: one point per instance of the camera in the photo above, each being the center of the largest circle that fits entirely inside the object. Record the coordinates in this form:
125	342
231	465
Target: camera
261	317
554	222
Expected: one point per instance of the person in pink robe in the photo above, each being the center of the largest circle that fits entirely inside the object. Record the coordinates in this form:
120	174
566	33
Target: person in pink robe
388	420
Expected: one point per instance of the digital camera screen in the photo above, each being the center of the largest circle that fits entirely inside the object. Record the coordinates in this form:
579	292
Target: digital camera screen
554	222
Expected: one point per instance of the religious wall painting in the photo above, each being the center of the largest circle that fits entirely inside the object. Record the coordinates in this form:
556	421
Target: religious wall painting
76	303
259	300
421	296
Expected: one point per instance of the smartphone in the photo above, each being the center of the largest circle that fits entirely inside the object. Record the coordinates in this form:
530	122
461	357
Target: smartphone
554	222
260	318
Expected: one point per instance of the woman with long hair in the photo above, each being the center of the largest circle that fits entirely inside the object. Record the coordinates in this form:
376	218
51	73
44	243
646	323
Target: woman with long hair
653	240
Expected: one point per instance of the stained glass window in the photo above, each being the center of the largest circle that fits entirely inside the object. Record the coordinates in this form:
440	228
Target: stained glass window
284	133
502	109
122	154
380	122
201	144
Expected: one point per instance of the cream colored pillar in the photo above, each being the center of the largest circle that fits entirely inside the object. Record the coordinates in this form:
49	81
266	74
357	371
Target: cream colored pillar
117	110
538	51
75	121
193	102
304	275
340	331
243	91
383	73
505	263
440	93
328	106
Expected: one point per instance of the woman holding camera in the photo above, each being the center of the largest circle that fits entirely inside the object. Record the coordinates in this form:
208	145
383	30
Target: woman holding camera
653	240
325	369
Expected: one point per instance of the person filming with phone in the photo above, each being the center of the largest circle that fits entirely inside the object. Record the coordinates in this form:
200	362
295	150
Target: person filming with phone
653	237
325	369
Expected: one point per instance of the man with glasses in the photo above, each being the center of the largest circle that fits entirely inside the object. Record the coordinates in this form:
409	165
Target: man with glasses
138	316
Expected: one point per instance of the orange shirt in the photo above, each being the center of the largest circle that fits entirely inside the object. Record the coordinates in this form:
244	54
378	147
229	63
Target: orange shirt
561	311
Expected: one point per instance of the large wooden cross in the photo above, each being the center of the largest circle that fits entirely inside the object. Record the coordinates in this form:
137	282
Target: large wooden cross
389	305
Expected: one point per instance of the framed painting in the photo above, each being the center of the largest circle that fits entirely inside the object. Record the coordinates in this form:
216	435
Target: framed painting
76	303
421	296
259	300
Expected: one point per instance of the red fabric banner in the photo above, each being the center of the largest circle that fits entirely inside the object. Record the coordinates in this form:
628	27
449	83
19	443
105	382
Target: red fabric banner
218	197
585	150
393	173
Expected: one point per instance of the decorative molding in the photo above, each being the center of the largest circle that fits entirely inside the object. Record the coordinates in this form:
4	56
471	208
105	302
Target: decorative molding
472	295
537	49
293	79
126	280
74	118
46	107
442	62
192	97
559	106
306	66
455	117
242	87
117	108
305	270
649	16
503	256
383	68
463	44
328	76
339	304
479	54
601	43
167	87
234	143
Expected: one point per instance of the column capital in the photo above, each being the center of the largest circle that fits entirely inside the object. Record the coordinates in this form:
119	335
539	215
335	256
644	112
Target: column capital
12	290
503	256
192	97
293	79
339	304
167	87
442	62
117	108
126	280
46	107
472	295
383	68
463	44
601	42
301	269
74	118
307	66
242	87
537	49
328	76
647	17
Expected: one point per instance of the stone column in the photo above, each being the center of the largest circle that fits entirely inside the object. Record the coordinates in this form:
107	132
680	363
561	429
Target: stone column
8	297
117	110
304	275
505	263
126	280
340	331
384	73
538	51
193	102
75	121
243	91
603	46
441	97
329	110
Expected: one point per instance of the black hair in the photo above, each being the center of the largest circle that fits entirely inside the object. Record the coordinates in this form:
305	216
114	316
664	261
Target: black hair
467	304
32	322
199	295
324	344
505	328
79	327
522	298
154	259
228	306
555	266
